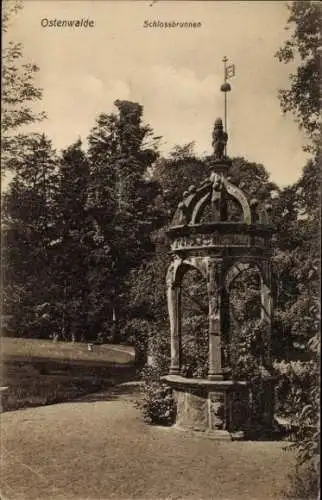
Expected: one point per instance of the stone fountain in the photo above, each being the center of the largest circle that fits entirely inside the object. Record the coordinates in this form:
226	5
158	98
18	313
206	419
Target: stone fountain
220	249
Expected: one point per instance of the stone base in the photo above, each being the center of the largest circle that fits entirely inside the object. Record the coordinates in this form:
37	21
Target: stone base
213	408
208	433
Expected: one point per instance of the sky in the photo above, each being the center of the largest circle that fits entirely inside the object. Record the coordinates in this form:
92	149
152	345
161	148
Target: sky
175	73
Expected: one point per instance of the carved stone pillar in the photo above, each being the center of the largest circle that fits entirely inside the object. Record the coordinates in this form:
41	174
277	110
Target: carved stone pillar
266	308
225	330
214	292
174	309
267	403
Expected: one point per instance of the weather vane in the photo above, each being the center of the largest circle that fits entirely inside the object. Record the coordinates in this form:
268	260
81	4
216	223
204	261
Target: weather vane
229	72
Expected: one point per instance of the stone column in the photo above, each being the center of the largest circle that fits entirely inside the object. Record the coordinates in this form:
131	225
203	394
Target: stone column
266	308
214	292
225	329
266	318
174	308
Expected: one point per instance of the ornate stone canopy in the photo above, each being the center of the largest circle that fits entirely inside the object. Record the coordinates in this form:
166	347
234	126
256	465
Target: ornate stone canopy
217	230
250	236
221	233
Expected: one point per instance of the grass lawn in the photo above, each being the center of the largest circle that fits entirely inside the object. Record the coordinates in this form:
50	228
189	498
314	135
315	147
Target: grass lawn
41	372
99	448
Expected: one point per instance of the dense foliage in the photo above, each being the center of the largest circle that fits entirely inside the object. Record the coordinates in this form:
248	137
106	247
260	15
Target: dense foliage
29	234
299	264
76	224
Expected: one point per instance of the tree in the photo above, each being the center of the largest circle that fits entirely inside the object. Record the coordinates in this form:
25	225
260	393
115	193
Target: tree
73	244
121	152
18	91
303	97
296	210
300	315
29	234
176	173
297	258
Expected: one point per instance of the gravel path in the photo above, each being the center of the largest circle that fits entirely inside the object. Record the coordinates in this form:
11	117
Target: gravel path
99	448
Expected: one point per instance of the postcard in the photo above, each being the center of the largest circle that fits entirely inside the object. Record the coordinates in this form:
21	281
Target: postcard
160	249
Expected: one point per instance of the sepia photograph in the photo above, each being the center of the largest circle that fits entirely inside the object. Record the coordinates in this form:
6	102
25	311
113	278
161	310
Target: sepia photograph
160	250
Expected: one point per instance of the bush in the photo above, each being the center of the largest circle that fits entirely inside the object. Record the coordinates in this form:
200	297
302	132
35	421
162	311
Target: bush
157	404
304	483
292	389
152	339
298	398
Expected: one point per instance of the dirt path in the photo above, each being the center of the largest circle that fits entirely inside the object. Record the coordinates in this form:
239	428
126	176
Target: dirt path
99	448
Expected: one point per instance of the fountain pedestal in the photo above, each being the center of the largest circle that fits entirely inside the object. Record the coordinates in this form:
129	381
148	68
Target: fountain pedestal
217	408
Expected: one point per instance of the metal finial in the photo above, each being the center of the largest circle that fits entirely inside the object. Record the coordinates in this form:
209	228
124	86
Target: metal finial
229	71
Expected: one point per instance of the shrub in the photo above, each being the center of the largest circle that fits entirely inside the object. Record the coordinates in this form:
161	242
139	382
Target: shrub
152	339
157	404
304	483
298	399
292	388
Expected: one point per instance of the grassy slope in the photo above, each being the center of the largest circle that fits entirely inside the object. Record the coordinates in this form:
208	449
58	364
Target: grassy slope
40	372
